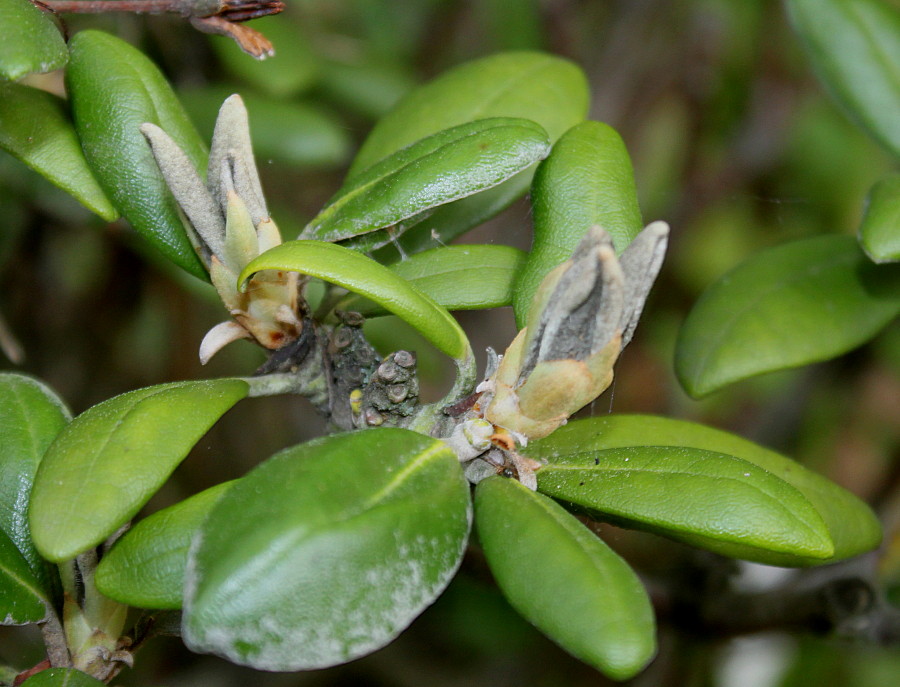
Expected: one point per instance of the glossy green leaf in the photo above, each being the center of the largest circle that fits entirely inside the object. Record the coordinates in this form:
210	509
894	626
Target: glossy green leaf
854	46
851	524
564	579
543	88
586	180
22	599
879	233
290	133
146	566
441	168
35	128
31	42
31	416
114	89
110	459
360	274
61	677
327	550
795	304
705	498
455	277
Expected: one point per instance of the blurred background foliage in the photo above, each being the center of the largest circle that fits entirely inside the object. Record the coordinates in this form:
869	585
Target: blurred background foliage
734	143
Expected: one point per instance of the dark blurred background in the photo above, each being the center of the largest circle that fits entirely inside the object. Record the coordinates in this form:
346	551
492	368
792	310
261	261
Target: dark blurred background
734	143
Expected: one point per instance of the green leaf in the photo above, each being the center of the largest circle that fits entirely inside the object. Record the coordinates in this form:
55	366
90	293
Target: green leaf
368	85
61	677
22	599
854	46
795	304
31	42
290	133
31	416
441	168
455	277
879	233
705	498
851	524
327	550
146	566
360	274
564	579
586	180
104	466
35	128
543	88
114	89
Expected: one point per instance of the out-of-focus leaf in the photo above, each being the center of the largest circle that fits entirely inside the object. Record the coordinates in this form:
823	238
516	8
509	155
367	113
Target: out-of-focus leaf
370	88
514	24
327	550
586	180
61	677
548	90
31	42
22	598
441	168
791	305
456	277
293	69
290	133
879	233
854	46
360	274
564	579
113	457
114	89
31	416
35	129
146	566
851	524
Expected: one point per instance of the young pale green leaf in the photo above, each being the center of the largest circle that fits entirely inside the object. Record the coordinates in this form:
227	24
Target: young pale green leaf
455	277
35	129
854	46
110	459
360	274
31	42
543	88
852	526
31	416
327	550
61	677
704	498
879	233
114	89
146	566
441	168
586	180
22	597
564	579
795	304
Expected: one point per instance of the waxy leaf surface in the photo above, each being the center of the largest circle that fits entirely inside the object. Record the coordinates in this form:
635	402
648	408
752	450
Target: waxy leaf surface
35	128
705	498
31	41
879	233
114	89
360	274
854	46
146	566
113	457
455	277
795	304
586	180
327	550
851	524
564	579
61	677
441	168
31	416
22	597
